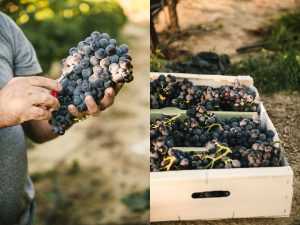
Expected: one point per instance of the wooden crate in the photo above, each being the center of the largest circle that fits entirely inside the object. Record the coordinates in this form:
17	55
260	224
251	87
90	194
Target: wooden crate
253	192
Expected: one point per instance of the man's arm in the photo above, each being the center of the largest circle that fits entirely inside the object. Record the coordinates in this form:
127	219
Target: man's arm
39	131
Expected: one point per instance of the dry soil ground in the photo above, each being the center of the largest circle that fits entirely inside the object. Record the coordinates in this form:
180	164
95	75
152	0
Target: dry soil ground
218	25
223	26
83	176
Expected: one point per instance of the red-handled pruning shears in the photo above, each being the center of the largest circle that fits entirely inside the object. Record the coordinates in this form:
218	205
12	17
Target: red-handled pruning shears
63	76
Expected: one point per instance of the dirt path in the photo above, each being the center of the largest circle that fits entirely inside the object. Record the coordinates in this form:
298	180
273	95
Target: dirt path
218	25
109	151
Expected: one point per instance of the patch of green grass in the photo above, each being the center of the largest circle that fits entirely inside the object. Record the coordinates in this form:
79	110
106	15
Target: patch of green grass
279	67
284	30
271	71
75	167
157	61
96	182
138	201
36	176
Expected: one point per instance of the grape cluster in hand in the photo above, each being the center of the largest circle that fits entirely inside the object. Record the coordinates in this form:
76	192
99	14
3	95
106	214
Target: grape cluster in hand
230	143
95	64
165	91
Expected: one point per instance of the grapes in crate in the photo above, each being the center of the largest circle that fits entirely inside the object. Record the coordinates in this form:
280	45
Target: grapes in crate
229	143
96	64
165	91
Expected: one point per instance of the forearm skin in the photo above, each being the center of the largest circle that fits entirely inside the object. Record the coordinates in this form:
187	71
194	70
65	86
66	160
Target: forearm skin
38	131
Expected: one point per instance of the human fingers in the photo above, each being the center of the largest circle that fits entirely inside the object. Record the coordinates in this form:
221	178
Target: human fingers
37	113
92	106
45	82
118	87
108	99
38	90
44	99
74	111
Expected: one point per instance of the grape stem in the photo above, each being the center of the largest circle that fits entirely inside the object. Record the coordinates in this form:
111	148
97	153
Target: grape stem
198	155
167	121
81	118
172	119
212	125
162	97
171	159
206	116
227	161
220	148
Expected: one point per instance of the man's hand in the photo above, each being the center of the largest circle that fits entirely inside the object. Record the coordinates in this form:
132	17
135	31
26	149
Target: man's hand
27	98
94	109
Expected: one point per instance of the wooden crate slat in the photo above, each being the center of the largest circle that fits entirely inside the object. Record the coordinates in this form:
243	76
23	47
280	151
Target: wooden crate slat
252	191
190	149
209	80
175	111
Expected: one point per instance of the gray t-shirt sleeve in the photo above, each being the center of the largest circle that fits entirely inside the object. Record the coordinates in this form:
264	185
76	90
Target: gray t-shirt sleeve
25	61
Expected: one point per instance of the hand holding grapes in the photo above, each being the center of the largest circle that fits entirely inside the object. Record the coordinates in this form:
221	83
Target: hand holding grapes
93	73
94	109
27	98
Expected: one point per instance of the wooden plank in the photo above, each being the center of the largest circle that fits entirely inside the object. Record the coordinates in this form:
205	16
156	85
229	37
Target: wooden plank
264	117
172	111
255	192
189	149
209	80
245	173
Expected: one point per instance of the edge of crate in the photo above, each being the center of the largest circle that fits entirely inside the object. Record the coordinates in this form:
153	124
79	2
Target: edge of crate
181	175
206	79
271	185
175	111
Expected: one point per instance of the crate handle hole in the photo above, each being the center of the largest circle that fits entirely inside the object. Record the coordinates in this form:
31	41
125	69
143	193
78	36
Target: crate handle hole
211	194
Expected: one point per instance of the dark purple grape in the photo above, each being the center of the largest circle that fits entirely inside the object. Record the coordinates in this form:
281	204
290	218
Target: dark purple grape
100	53
103	42
110	49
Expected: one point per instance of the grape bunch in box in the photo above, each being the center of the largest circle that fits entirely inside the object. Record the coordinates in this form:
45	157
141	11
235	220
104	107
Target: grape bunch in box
166	91
232	142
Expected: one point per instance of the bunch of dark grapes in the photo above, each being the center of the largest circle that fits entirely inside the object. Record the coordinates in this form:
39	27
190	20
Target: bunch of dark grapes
235	97
250	143
95	64
217	156
167	92
202	126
